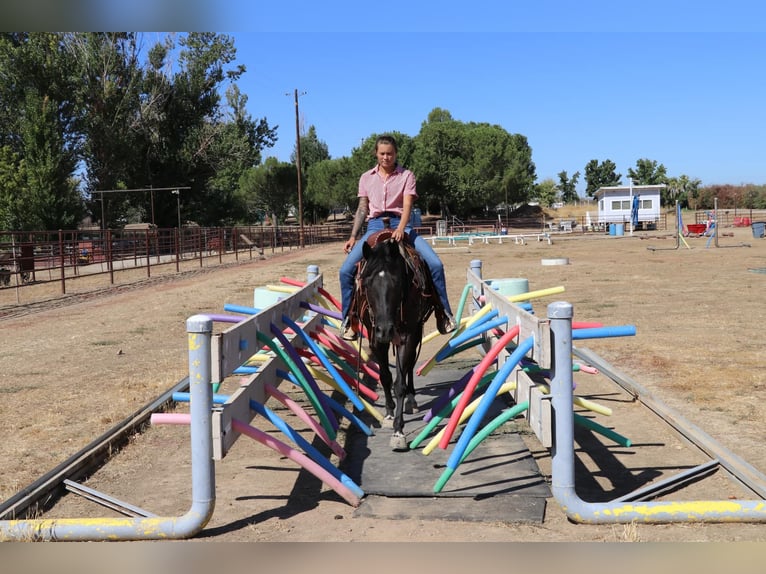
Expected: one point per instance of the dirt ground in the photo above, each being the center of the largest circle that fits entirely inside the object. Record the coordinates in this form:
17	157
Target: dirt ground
70	372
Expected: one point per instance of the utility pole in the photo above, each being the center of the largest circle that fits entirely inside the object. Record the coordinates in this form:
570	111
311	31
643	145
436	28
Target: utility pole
298	167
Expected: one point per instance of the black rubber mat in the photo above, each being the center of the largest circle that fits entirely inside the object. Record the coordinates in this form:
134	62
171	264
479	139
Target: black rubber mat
498	481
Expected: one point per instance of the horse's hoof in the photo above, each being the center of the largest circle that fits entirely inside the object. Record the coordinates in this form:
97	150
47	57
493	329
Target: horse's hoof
387	422
411	407
398	442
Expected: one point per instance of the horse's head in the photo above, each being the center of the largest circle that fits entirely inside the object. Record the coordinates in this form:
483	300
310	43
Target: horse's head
384	283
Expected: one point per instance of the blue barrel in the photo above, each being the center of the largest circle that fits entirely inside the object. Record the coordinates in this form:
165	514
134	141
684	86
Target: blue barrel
759	229
612	229
619	229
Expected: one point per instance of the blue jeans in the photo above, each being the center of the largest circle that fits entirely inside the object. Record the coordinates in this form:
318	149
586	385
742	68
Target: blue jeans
348	268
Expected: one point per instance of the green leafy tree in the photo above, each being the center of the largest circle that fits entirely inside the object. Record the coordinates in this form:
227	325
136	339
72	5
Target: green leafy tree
235	148
313	151
599	175
37	103
546	192
13	183
519	174
567	186
681	189
648	172
332	183
51	200
269	189
465	167
106	93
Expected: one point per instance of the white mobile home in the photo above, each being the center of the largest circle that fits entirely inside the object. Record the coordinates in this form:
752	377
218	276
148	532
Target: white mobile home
638	204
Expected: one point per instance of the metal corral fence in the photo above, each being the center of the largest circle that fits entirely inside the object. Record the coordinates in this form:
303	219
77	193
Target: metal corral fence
34	258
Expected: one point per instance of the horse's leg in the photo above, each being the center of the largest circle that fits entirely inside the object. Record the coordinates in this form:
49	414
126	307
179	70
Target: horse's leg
381	355
409	358
398	440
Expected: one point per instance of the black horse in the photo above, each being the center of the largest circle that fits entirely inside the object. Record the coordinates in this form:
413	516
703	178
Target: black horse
395	296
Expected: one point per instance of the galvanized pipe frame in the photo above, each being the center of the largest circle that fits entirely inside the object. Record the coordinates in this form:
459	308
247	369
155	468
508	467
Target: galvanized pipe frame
208	364
554	341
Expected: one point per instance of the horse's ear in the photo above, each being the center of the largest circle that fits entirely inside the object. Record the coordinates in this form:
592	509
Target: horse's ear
366	250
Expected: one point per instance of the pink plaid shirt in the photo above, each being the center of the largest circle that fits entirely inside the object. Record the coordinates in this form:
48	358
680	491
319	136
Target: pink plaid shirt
386	195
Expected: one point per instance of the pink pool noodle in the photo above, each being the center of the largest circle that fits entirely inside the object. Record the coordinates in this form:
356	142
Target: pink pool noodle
322	291
297	457
170	419
306	418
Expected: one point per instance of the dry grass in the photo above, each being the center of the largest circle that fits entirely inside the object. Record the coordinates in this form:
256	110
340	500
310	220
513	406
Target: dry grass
68	374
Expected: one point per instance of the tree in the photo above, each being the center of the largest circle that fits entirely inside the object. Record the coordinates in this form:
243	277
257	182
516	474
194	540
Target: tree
51	200
599	175
568	187
269	189
466	167
332	183
313	151
648	172
546	192
680	189
13	181
37	104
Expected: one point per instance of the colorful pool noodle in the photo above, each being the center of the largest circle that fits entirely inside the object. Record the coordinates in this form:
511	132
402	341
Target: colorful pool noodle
426	367
608	433
327	379
357	347
458	315
476	325
307	447
469	410
295	355
245	370
347	379
325	361
444	399
225	318
321	310
447	353
241	309
489	396
321	290
352	376
581	402
299	458
490	427
535	294
170	419
304	383
603	332
469	334
297	410
301	413
486	361
335	405
445	410
332	343
369	367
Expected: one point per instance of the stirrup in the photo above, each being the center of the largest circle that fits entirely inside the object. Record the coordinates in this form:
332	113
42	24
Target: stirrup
446	324
347	332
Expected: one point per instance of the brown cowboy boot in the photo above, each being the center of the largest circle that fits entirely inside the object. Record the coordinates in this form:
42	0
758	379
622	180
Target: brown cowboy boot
445	322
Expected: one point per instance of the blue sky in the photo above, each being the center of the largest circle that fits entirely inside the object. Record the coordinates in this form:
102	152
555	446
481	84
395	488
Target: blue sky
693	101
678	82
